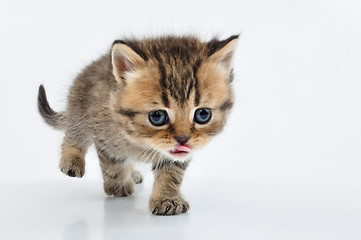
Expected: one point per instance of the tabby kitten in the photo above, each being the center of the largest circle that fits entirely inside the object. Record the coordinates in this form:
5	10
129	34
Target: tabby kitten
156	100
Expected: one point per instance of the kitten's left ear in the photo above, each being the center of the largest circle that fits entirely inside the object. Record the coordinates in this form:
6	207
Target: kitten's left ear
124	59
222	51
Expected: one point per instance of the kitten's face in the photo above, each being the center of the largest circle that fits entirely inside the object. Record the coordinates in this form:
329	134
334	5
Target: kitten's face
174	107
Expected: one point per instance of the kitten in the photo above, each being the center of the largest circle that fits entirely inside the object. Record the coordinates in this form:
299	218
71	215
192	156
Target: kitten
154	100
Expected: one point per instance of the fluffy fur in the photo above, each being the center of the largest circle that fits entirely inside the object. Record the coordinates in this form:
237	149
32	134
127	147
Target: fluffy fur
110	102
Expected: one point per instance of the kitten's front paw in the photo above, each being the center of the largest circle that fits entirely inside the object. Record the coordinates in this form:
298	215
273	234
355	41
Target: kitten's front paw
117	189
137	177
73	166
168	206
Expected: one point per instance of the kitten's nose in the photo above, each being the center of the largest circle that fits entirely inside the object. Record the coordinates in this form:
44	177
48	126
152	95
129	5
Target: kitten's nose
182	139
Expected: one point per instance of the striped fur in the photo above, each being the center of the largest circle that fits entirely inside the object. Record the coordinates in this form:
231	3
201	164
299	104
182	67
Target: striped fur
110	101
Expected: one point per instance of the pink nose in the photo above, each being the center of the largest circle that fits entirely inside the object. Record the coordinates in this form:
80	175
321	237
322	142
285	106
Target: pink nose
182	139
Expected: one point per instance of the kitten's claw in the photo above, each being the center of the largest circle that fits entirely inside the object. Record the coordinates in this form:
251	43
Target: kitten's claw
71	173
72	170
168	206
114	188
137	177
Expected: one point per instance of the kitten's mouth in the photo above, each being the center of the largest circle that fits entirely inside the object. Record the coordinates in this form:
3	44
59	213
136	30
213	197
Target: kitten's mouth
180	150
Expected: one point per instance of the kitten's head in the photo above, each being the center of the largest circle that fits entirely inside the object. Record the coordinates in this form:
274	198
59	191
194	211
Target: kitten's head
173	94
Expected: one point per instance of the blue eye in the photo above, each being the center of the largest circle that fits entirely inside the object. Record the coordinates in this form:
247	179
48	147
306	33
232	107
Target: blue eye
158	118
202	115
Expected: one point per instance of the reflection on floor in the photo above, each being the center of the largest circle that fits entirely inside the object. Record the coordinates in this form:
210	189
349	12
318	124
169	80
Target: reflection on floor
247	208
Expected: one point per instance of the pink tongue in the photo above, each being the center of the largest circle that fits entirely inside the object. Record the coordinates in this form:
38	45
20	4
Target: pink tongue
183	148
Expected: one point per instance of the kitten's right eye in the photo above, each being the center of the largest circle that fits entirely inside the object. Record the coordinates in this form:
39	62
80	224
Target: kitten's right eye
158	118
202	115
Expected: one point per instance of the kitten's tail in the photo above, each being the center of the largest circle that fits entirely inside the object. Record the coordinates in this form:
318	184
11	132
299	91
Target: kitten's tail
54	119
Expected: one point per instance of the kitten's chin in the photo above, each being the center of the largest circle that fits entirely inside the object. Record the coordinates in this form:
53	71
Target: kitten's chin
179	154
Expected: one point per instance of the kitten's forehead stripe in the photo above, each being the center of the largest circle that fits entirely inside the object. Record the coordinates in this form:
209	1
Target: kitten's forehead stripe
163	80
165	98
178	60
190	86
196	85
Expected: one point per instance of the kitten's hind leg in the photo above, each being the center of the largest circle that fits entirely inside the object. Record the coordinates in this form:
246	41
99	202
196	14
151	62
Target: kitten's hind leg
136	175
117	175
72	161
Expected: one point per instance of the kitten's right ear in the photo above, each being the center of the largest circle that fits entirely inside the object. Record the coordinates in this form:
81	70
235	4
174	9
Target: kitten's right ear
124	59
222	51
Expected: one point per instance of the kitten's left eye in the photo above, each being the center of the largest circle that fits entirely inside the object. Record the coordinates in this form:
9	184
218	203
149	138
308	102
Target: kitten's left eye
202	115
158	118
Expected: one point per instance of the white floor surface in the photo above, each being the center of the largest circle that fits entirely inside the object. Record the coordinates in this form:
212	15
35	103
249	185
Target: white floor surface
223	206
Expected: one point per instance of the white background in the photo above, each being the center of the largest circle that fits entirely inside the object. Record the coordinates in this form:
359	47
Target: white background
286	167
